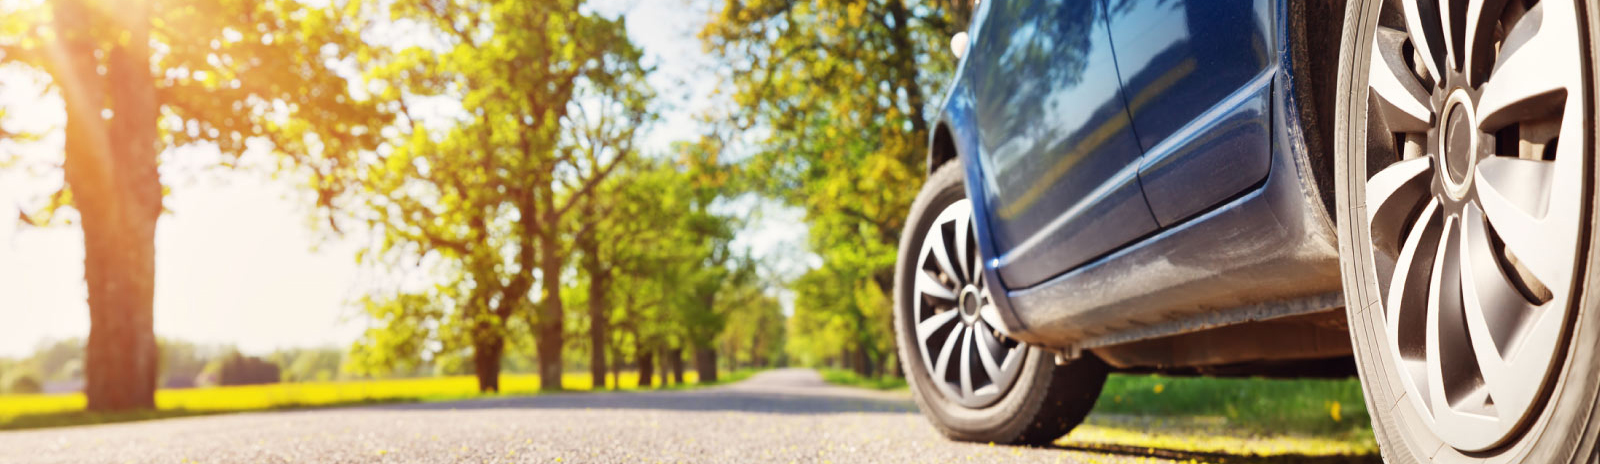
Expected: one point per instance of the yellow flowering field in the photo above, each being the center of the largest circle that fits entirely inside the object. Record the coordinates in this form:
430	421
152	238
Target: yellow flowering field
258	397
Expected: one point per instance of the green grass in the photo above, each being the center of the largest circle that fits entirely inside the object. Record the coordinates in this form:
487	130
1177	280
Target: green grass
1303	406
851	379
33	411
1224	416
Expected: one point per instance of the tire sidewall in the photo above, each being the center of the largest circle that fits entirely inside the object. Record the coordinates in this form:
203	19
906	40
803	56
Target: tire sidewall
1563	430
995	422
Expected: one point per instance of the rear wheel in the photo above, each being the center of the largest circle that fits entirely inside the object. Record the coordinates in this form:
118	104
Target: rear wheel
971	380
1465	187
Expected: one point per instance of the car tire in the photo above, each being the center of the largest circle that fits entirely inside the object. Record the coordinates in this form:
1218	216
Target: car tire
1475	346
1033	401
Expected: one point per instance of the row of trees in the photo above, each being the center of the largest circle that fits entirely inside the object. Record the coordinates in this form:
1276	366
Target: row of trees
852	159
512	172
491	143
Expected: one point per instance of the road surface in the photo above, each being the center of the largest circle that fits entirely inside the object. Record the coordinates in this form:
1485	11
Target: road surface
776	416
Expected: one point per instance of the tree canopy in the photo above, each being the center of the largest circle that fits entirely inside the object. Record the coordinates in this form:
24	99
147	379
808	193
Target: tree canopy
851	159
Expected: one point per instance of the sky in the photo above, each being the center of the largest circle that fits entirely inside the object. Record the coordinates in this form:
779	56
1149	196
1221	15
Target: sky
239	259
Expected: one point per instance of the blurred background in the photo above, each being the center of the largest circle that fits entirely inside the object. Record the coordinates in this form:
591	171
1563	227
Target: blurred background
224	205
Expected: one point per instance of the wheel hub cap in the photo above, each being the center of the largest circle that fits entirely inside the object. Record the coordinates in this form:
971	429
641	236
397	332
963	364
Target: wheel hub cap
1460	145
1475	166
959	335
969	305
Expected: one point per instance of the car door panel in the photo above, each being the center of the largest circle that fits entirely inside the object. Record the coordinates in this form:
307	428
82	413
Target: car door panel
1198	78
1058	151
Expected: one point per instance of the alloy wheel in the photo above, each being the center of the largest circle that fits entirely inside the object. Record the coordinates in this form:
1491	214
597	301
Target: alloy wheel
1475	159
958	330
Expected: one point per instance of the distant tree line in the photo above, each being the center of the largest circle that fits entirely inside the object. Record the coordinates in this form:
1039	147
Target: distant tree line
182	365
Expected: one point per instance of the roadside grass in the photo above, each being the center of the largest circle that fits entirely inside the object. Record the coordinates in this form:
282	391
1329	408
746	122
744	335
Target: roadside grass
1229	416
35	411
1309	406
1221	416
851	379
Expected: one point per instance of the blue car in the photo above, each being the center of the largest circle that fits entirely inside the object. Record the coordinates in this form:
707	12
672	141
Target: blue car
1397	189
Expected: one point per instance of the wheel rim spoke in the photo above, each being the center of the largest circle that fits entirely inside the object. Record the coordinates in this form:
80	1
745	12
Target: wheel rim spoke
987	347
965	261
1402	99
941	369
966	362
1451	19
1496	314
1392	195
1452	366
1514	194
926	285
932	324
941	252
1406	310
1479	31
991	317
1531	69
1425	37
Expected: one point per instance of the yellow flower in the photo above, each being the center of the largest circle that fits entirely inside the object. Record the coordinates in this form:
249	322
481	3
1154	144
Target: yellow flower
1159	388
1333	410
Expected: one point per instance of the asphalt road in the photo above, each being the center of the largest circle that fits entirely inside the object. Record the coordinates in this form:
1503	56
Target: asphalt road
777	416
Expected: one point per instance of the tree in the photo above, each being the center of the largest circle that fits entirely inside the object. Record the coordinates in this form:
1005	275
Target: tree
308	364
851	159
138	77
182	362
543	98
754	335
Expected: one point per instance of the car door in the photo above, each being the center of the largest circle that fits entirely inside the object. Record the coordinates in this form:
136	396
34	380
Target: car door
1057	149
1198	76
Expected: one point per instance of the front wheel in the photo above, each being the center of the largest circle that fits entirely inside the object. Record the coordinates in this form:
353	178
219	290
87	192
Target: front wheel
1465	185
969	379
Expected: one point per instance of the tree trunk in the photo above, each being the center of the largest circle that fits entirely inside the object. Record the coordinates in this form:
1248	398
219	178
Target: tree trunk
599	326
677	365
616	365
666	367
647	368
486	355
705	361
551	314
111	169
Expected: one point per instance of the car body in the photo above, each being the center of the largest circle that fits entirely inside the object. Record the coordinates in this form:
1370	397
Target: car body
1220	188
1146	184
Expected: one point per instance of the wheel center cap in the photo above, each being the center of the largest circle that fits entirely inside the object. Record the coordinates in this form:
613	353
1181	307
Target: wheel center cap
969	304
1459	145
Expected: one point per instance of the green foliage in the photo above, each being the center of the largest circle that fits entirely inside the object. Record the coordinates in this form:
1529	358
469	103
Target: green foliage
58	359
231	74
308	364
755	331
851	159
238	369
511	116
182	362
21	382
